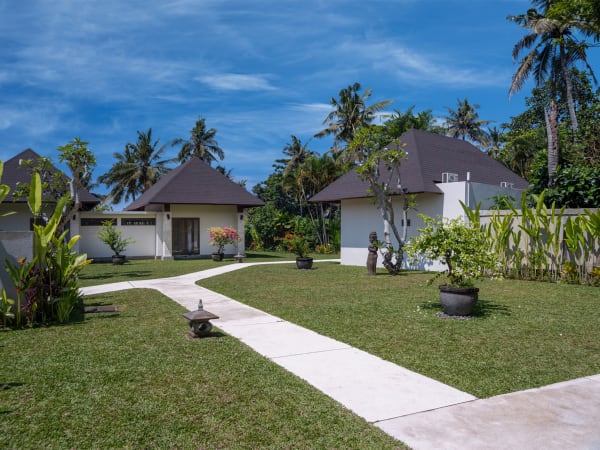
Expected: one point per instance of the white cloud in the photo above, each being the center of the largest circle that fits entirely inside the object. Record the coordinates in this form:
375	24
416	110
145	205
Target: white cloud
237	82
321	108
416	67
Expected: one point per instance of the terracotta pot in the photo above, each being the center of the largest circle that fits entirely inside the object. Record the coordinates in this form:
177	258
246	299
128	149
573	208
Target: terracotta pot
457	301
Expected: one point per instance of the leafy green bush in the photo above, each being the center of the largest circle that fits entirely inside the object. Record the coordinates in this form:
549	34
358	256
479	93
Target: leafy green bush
460	246
113	237
47	286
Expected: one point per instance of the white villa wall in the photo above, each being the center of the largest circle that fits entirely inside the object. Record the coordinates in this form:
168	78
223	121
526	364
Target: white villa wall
15	222
151	241
360	217
143	235
485	193
471	194
453	193
209	216
20	220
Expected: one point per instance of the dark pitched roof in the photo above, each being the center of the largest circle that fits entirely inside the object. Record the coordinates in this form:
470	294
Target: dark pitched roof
428	156
14	175
195	182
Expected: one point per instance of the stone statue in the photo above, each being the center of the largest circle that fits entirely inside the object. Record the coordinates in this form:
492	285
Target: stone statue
372	258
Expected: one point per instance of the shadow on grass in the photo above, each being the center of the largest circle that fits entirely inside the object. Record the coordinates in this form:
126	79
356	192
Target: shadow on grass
250	255
486	308
213	334
136	274
10	385
483	308
388	274
6	387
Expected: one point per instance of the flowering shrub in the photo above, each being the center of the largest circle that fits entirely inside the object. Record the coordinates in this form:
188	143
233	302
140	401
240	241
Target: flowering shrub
221	236
458	245
295	243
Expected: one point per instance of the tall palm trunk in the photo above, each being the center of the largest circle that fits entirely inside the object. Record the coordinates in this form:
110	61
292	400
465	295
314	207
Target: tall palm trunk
551	118
569	86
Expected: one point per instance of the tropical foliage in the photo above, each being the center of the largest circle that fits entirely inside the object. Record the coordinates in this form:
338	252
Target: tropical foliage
522	145
138	168
201	144
464	123
552	49
349	113
460	246
47	286
541	243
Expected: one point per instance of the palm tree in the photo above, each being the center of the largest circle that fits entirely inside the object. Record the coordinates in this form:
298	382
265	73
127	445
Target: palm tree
305	180
202	144
297	153
553	50
136	169
465	123
401	122
495	142
350	113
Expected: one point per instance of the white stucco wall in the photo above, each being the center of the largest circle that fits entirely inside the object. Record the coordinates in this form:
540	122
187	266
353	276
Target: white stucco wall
360	217
471	194
151	241
453	193
209	216
143	235
485	193
14	222
21	219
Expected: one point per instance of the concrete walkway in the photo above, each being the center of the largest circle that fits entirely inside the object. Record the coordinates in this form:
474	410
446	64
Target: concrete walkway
415	409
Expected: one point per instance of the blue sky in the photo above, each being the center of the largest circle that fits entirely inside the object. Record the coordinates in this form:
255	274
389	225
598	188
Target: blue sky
257	71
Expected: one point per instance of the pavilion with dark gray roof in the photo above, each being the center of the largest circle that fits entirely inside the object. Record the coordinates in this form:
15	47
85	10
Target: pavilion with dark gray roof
440	171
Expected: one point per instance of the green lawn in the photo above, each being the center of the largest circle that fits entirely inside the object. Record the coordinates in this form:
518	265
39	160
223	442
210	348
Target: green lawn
525	334
133	380
144	269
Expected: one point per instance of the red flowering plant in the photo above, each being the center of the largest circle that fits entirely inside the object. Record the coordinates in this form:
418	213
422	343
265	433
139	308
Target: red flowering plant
296	243
221	236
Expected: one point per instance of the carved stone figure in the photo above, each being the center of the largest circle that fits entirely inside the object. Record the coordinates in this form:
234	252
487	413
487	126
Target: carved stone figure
372	258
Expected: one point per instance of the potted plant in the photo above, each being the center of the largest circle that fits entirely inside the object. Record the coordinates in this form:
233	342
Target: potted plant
220	237
297	244
115	240
462	248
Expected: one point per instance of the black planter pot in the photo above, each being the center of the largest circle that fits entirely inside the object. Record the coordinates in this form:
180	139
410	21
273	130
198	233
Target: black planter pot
304	263
118	259
457	301
217	256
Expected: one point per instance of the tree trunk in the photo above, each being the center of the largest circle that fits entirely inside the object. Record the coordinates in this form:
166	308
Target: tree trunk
569	86
551	118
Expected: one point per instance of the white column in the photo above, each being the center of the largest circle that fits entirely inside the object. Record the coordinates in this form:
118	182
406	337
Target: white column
167	236
241	222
